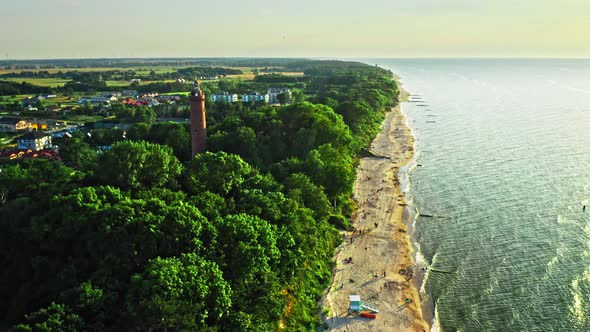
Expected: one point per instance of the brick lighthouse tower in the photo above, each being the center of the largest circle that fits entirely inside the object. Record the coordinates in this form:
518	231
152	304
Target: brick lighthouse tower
198	121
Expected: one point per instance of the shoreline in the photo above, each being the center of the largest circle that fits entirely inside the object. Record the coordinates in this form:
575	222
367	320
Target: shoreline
380	244
411	219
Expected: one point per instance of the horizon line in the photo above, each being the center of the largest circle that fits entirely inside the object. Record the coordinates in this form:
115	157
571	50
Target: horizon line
533	57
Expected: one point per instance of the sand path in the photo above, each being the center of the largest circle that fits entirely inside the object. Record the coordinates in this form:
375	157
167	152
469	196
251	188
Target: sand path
379	252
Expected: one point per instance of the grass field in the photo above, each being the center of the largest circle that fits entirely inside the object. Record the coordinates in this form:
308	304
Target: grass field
84	118
58	82
140	70
118	83
12	99
248	73
180	93
48	82
126	83
291	73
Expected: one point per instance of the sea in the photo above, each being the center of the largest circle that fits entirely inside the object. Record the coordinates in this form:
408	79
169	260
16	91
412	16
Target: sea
499	184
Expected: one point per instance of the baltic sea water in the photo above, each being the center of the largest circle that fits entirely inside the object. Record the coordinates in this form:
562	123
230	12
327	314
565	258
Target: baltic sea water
505	152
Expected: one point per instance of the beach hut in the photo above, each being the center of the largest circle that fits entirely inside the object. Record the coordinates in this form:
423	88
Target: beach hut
358	307
354	307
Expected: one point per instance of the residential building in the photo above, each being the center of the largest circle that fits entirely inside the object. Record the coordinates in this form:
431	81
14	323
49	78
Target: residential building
52	108
97	100
129	101
147	101
274	93
129	93
34	140
110	94
256	97
225	97
149	95
109	97
31	101
39	126
13	154
167	98
12	124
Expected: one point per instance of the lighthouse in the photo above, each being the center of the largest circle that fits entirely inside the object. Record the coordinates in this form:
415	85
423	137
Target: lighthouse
198	121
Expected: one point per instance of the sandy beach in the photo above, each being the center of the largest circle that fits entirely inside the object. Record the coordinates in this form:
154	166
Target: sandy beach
379	246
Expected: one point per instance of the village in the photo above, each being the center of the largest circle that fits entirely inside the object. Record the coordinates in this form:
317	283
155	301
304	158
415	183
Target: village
273	96
26	136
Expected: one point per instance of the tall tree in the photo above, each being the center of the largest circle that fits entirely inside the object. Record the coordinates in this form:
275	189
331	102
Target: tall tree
134	165
184	293
219	173
77	154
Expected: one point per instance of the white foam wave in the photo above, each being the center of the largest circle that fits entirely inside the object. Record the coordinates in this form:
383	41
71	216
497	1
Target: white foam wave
435	323
578	308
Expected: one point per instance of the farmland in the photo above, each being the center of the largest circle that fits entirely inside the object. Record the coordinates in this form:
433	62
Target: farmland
248	73
46	82
140	69
122	83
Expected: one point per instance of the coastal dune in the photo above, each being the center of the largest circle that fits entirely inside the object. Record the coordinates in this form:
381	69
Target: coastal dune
375	260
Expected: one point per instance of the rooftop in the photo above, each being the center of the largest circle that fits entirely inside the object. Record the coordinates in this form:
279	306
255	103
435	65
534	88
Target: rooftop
9	120
32	135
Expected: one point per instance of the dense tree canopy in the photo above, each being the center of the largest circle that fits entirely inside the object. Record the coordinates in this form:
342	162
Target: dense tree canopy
128	233
137	165
181	293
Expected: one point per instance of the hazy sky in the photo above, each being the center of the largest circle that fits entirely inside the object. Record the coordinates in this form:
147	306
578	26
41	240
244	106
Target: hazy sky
322	28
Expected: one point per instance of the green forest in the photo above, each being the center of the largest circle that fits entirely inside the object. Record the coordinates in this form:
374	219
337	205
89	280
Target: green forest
140	237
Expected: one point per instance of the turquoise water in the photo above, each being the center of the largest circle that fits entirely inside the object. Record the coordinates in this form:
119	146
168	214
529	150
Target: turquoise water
505	152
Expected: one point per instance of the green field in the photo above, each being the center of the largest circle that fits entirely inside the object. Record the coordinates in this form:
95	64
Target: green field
127	83
48	82
248	73
118	83
12	99
180	93
84	118
145	70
